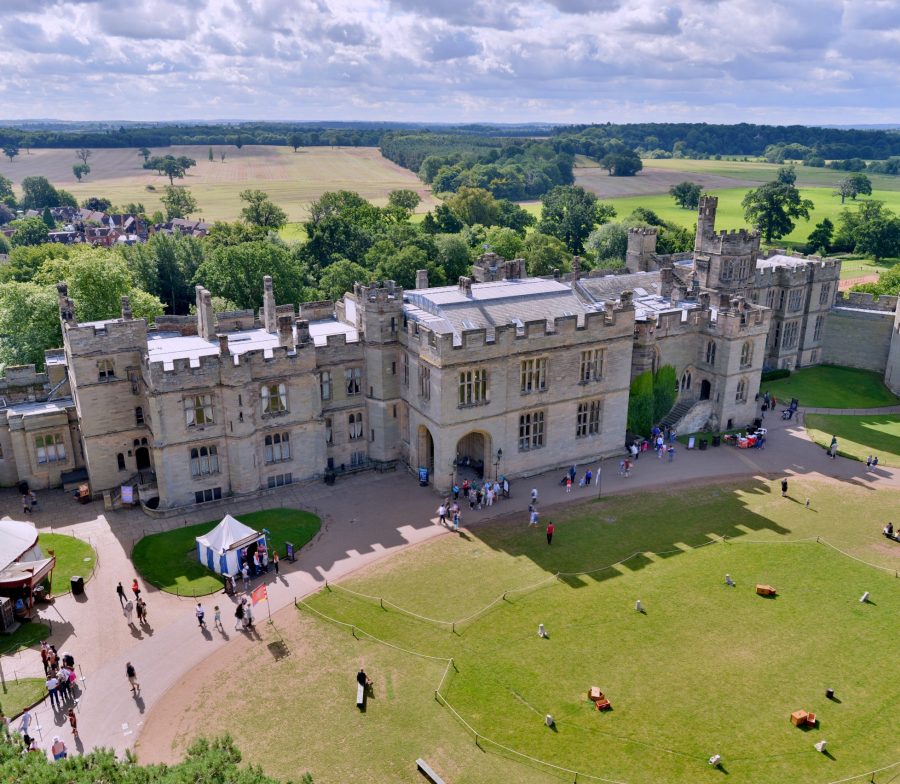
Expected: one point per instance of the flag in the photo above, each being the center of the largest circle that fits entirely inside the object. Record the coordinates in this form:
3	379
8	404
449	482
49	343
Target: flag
259	593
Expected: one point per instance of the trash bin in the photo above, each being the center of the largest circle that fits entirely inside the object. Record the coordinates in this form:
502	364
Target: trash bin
329	477
717	440
77	585
703	444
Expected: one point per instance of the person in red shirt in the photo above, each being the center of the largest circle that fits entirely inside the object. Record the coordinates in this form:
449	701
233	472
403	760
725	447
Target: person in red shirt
550	530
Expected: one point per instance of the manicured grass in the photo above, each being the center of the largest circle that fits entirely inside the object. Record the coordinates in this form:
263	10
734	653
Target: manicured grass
169	560
25	636
827	386
16	696
859	436
708	669
855	267
73	557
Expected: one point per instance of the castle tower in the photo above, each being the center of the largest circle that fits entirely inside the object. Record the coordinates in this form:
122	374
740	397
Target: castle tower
641	248
706	220
724	261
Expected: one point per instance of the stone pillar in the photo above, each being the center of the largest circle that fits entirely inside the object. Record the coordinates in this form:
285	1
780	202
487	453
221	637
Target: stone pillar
269	320
205	318
302	332
286	332
666	279
421	279
126	309
223	345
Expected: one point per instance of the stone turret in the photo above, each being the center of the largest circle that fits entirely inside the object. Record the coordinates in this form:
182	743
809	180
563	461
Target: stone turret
641	249
126	309
206	320
66	305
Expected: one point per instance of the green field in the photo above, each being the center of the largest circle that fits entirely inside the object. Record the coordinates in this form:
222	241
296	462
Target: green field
169	560
73	557
859	436
828	386
707	670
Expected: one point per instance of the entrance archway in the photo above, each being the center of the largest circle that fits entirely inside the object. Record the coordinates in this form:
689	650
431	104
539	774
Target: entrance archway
425	449
473	454
142	458
705	389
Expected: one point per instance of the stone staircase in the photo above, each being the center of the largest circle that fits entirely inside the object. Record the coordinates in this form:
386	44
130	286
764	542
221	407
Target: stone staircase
678	411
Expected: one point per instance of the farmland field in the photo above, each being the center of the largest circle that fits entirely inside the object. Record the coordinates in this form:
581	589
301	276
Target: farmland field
292	180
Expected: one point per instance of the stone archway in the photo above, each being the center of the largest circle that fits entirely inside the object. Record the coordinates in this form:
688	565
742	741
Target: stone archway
425	449
705	389
473	454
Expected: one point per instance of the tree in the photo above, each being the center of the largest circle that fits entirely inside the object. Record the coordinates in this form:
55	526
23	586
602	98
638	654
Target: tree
66	199
641	403
568	213
37	193
340	277
787	175
7	195
179	202
29	231
81	170
625	163
820	237
29	323
608	244
296	141
514	217
404	201
84	154
879	237
239	141
855	185
261	211
222	156
604	212
165	266
453	255
665	390
888	283
543	254
47	217
771	207
403	266
442	221
98	204
686	194
11	150
144	152
210	155
504	241
474	205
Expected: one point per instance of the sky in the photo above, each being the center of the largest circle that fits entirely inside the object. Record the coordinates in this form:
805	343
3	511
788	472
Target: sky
556	61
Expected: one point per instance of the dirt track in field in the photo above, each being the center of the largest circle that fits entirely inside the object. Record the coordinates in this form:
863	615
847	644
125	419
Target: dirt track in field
650	180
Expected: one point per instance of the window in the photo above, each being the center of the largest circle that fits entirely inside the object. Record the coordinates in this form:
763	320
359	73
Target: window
781	299
531	430
198	410
824	293
325	385
424	382
591	365
353	377
588	419
711	353
204	461
777	336
754	296
727	270
120	461
274	398
106	371
358	459
741	395
277	447
393	368
791	334
813	356
686	381
770	298
139	416
744	268
329	431
280	480
817	330
534	375
50	449
747	354
795	299
473	387
354	422
406	370
211	494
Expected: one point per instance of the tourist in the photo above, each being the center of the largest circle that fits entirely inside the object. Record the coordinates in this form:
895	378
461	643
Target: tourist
245	574
26	503
362	679
131	674
33	498
120	592
533	518
784	487
671	451
869	461
239	616
248	614
497	489
456	520
31	743
832	450
534	495
141	610
506	488
129	609
588	476
45	657
455	491
136	589
889	530
550	530
875	461
572	474
200	612
275	561
25	721
58	749
265	561
255	563
73	722
442	514
217	618
52	685
568	484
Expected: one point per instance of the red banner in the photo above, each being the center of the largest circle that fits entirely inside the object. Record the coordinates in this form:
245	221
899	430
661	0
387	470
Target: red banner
259	593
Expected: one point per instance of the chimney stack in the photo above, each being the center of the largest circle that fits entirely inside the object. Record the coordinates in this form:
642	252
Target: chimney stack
205	318
302	332
626	297
223	345
421	279
576	267
126	309
269	319
666	279
286	332
465	286
704	300
66	306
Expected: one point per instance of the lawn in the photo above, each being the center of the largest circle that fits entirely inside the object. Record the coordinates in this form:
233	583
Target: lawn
169	560
829	386
73	557
707	670
25	636
857	267
859	436
14	696
293	180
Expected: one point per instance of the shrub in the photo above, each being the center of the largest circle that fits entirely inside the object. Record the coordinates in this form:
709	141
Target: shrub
774	375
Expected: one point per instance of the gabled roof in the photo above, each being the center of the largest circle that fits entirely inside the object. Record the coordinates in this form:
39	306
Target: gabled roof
228	535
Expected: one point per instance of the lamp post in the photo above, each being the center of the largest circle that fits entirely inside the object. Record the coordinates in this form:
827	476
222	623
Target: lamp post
497	464
599	479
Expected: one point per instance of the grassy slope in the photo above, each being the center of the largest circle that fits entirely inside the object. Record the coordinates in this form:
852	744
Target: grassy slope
859	436
169	560
734	666
73	556
826	386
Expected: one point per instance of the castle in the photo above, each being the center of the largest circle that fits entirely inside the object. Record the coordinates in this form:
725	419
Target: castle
503	373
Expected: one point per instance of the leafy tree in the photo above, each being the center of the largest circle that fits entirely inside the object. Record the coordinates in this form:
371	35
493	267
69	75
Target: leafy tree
37	193
340	277
296	141
787	175
608	244
66	199
210	157
236	272
26	260
261	211
850	220
402	267
543	254
626	163
144	152
11	150
81	170
179	202
820	237
568	213
474	205
223	234
404	201
888	283
879	237
453	255
504	241
29	323
442	221
665	390
771	207
686	194
84	153
239	141
641	404
855	185
98	204
7	195
165	266
342	224
605	212
48	219
29	231
514	217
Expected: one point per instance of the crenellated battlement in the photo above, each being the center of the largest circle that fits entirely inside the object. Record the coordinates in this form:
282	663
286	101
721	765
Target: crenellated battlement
858	299
385	297
104	337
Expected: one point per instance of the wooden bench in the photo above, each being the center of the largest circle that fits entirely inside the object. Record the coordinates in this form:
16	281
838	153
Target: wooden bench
360	696
427	772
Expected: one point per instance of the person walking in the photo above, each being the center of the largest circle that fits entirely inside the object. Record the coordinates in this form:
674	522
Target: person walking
25	721
255	563
265	561
200	613
131	674
869	461
442	514
26	503
588	476
58	749
550	530
832	450
129	609
239	616
533	517
245	574
248	614
45	657
217	619
120	592
671	451
73	722
784	487
456	521
139	609
568	484
275	561
534	495
136	589
875	461
52	685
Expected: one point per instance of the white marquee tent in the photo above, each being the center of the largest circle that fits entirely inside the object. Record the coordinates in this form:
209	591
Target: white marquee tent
219	550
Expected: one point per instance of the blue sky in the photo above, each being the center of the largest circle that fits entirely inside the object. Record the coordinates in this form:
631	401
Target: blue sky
795	61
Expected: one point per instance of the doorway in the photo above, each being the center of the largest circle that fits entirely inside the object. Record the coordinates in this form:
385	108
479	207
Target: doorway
705	389
472	455
142	458
425	451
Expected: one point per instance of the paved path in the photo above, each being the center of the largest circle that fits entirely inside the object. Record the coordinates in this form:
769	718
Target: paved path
851	411
365	517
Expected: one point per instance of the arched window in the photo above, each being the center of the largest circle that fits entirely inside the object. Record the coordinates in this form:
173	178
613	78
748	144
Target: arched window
204	461
120	459
139	416
747	354
741	395
686	381
711	353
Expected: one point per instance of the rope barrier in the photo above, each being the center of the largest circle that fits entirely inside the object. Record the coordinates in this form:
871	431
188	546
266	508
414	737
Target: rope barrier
870	773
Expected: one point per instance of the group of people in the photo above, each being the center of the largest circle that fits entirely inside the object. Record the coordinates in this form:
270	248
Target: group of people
480	494
29	502
255	565
872	461
130	607
890	532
